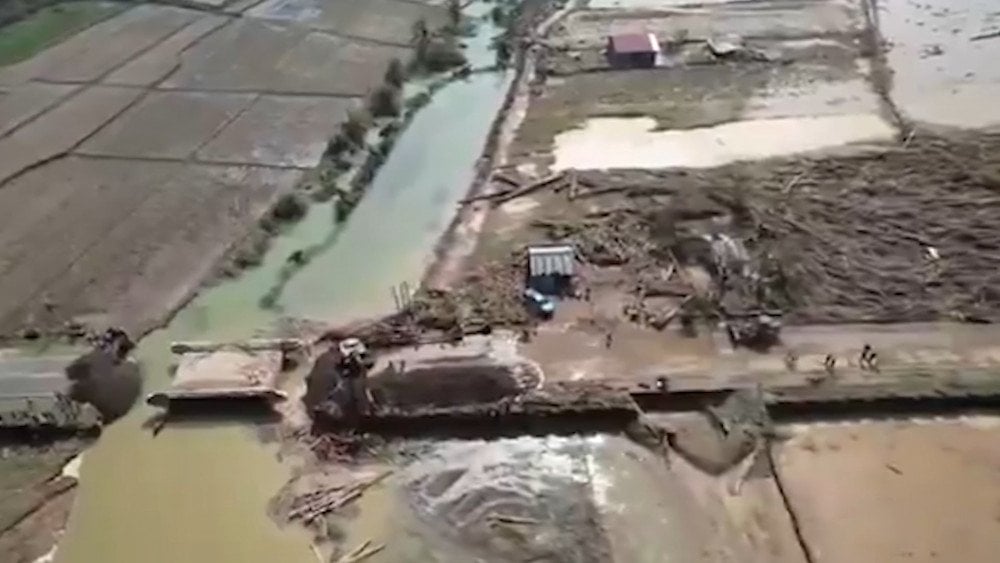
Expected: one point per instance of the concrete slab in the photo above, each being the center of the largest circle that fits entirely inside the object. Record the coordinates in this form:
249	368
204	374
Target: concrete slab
279	131
228	373
167	125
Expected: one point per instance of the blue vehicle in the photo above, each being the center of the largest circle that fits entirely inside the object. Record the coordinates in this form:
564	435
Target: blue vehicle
538	303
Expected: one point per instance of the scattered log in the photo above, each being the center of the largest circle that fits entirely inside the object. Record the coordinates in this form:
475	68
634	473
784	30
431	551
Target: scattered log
315	504
981	36
510	519
283	344
361	552
529	188
512	182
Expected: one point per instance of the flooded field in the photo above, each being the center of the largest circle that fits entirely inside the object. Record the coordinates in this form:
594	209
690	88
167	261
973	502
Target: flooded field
942	54
635	143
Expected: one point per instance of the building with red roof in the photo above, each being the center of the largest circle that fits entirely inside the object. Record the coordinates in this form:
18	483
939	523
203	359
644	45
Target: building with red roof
633	50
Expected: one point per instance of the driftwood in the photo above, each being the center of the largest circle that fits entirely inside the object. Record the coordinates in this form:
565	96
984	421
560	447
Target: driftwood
283	344
982	36
509	519
499	178
361	552
528	188
512	182
312	505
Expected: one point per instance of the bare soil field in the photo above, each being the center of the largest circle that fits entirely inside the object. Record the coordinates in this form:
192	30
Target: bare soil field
62	128
180	123
18	105
387	21
157	63
896	491
279	131
252	55
90	54
98	228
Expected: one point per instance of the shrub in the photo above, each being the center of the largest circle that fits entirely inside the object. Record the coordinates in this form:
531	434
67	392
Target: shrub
384	101
497	15
418	101
355	127
338	145
395	74
289	207
442	55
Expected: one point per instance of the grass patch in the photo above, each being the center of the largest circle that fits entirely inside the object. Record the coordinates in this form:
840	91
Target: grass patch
48	26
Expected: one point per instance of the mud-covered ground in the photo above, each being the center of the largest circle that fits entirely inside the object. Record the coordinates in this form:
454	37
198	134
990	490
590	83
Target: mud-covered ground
895	491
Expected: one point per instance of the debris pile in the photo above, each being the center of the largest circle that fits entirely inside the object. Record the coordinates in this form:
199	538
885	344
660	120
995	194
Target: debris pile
310	506
337	448
904	235
615	239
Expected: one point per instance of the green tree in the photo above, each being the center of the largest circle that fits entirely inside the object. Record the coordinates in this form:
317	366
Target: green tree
385	101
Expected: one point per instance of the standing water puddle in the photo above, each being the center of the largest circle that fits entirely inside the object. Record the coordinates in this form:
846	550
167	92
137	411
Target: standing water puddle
197	492
634	143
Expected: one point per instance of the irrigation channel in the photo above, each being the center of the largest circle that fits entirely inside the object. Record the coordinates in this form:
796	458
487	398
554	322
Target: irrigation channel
198	490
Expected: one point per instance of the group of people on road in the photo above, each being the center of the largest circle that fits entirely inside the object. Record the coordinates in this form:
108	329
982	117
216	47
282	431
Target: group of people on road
867	361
